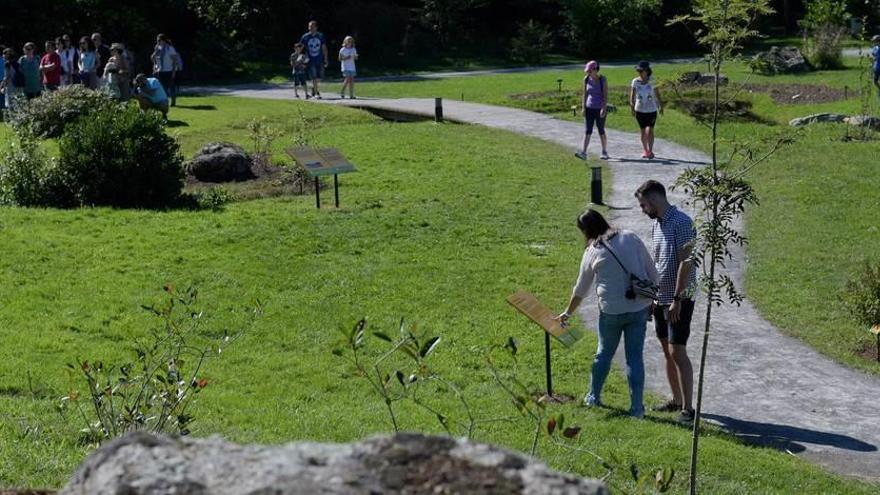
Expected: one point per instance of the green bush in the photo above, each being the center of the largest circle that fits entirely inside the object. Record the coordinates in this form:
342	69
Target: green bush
22	174
48	115
824	24
862	296
120	156
603	27
532	43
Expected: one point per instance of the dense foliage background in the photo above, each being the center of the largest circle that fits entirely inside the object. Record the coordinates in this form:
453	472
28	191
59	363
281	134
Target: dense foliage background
216	36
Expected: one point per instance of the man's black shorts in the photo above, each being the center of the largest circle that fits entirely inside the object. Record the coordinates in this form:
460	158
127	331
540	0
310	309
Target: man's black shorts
676	333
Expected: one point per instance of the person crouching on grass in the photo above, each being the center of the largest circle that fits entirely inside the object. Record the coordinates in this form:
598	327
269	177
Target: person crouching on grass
150	94
347	56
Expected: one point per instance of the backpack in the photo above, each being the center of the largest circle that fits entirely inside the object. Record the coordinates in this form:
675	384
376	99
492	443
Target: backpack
17	75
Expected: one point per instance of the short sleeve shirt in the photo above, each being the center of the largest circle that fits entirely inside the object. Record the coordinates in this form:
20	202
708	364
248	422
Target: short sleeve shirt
52	77
313	44
348	64
669	235
646	98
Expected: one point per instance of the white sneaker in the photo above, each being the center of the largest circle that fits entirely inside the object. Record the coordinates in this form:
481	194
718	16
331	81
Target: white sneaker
604	155
580	154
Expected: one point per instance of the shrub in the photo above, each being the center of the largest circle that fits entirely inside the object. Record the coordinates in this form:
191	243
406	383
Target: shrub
619	21
862	296
48	115
120	156
824	28
531	43
154	391
23	171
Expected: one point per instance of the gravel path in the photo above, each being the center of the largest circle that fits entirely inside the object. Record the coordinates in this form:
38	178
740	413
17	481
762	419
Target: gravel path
761	384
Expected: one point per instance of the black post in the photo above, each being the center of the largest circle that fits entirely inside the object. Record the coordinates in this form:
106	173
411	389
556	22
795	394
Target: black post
336	188
438	109
596	186
559	83
547	364
317	193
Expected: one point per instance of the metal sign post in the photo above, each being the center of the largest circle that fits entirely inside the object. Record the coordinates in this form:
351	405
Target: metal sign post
326	161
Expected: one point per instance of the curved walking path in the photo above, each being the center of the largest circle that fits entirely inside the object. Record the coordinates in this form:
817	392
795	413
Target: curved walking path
760	384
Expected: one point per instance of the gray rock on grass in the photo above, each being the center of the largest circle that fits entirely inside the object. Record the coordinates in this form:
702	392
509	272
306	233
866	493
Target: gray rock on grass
221	162
781	60
144	464
817	118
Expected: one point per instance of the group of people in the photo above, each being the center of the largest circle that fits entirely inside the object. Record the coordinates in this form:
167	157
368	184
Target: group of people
610	261
644	103
94	65
310	59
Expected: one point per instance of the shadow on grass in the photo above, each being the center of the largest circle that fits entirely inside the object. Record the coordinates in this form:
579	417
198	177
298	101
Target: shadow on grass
785	437
197	107
176	123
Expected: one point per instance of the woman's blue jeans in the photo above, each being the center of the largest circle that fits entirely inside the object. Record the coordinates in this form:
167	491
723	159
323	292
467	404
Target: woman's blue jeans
611	327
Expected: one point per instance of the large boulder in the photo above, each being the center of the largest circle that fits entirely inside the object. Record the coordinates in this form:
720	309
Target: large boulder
817	118
221	162
780	60
144	464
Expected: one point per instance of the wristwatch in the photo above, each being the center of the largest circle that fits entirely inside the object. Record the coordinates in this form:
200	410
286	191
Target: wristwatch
676	298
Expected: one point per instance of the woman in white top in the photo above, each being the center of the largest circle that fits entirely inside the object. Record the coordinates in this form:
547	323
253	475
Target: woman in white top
347	56
609	260
89	60
644	100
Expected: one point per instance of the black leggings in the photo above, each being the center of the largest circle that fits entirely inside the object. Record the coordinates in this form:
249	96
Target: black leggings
592	116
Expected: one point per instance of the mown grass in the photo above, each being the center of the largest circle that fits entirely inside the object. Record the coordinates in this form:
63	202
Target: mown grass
815	225
439	224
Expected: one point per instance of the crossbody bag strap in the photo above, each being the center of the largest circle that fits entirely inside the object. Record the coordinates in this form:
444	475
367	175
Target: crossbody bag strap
602	243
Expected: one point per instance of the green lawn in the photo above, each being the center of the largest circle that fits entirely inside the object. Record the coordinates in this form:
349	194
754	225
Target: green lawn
440	223
815	224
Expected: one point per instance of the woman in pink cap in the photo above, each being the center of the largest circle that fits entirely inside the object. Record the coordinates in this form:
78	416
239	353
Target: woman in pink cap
595	108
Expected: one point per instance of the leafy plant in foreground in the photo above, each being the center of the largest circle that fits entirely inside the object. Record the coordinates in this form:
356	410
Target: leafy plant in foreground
155	390
554	427
411	380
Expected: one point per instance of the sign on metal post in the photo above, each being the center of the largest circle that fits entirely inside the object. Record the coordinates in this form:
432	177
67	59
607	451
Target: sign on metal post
325	161
541	315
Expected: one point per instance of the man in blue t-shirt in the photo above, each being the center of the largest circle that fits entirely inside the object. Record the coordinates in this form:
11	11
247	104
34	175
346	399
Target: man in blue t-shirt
150	94
875	54
316	47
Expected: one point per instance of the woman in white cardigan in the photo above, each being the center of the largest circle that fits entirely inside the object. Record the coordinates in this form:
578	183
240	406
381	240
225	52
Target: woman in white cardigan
609	259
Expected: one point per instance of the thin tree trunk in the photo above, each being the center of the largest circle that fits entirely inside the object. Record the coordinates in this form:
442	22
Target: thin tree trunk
695	436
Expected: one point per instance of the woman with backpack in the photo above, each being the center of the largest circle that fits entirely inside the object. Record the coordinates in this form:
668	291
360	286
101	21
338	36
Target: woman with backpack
595	108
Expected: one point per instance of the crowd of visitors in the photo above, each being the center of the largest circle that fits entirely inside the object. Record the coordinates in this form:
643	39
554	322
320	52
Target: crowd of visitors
92	64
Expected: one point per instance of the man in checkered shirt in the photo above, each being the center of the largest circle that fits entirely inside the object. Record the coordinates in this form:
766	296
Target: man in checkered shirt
673	235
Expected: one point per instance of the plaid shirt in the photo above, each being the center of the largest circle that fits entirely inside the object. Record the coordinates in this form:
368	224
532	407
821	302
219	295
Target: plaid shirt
669	235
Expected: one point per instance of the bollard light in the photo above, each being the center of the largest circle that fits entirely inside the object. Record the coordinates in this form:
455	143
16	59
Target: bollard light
438	109
596	185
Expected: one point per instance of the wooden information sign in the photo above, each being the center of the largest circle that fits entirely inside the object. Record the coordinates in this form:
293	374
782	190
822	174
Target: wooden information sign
326	161
536	311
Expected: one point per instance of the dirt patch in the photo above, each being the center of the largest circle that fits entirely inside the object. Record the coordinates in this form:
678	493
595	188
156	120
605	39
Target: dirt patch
799	93
269	181
868	352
